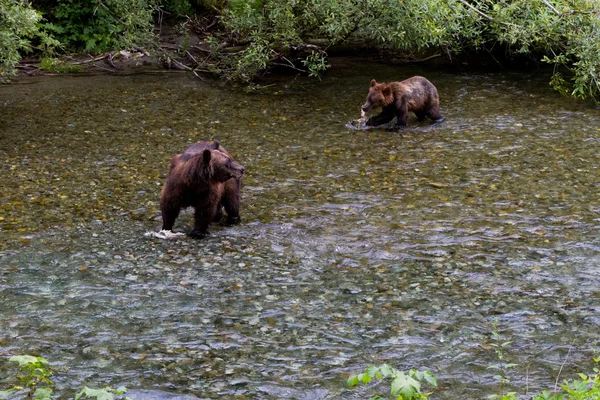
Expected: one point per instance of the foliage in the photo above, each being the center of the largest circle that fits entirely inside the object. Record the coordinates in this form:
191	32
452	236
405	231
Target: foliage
106	393
564	33
187	7
316	63
54	65
588	388
405	385
34	377
18	27
94	26
258	35
502	367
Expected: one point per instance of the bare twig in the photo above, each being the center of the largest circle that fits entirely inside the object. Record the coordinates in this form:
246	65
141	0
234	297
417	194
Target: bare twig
551	7
289	66
198	76
201	49
101	4
561	367
191	56
484	15
422	59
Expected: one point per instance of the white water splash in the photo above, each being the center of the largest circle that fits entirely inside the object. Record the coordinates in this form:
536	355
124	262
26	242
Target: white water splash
164	234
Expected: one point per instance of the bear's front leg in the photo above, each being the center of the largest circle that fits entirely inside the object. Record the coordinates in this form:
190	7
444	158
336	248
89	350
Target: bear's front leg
169	215
386	115
231	200
401	116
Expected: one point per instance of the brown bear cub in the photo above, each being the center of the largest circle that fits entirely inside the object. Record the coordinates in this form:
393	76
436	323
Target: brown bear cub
205	177
396	99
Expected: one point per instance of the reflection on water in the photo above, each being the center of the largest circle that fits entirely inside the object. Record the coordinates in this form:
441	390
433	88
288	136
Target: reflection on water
356	247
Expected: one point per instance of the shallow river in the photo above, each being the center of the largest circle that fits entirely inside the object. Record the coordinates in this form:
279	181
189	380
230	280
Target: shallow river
356	247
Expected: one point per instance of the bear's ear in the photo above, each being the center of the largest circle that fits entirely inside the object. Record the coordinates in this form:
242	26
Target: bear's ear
373	82
206	155
387	91
216	145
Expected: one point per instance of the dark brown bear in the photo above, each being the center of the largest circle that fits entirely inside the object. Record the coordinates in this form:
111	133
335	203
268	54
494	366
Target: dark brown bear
396	99
205	177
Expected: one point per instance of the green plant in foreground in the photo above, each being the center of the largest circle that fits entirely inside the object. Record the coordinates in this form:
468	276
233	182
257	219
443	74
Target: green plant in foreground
588	388
502	366
34	377
106	393
405	385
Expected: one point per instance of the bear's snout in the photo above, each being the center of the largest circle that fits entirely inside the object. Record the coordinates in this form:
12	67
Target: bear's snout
238	171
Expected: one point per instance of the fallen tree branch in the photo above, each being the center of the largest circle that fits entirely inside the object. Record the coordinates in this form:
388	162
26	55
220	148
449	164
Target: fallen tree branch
191	56
181	65
201	49
92	60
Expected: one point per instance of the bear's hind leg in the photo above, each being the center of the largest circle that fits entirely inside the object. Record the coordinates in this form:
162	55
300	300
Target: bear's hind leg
219	213
434	114
420	115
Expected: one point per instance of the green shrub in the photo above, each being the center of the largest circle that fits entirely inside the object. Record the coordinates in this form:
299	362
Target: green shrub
34	379
18	26
95	27
565	33
54	65
404	385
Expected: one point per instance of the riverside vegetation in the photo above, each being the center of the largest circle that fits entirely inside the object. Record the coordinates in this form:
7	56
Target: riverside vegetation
35	383
242	39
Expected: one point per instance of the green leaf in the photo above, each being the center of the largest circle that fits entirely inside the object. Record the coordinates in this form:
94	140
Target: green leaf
351	382
5	393
386	370
43	393
98	394
121	390
372	371
404	385
27	360
432	380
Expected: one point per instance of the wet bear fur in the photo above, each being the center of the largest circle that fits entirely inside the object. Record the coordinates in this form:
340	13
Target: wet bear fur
397	99
205	177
